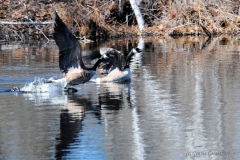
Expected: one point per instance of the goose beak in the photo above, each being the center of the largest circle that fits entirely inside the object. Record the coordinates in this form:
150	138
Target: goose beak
104	56
138	50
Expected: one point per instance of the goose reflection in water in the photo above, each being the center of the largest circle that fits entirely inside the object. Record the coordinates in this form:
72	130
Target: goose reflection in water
82	131
71	124
90	120
113	95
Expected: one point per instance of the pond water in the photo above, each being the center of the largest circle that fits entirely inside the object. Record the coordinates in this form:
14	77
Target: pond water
183	102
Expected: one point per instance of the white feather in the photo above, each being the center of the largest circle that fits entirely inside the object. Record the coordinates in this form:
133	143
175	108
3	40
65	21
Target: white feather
116	76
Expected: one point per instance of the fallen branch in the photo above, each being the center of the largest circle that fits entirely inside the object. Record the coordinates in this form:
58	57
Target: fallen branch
34	24
206	31
40	31
15	33
17	46
26	23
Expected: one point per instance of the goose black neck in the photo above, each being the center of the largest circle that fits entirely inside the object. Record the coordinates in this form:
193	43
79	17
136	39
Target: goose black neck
96	64
80	58
119	65
129	56
126	66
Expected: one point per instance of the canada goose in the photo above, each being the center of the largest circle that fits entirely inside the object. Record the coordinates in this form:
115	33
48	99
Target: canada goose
105	52
70	57
107	65
115	71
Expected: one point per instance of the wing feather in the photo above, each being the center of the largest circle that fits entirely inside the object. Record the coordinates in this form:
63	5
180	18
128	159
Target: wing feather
69	47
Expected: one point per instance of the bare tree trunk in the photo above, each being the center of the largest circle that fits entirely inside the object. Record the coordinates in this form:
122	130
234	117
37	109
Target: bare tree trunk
120	7
138	14
239	10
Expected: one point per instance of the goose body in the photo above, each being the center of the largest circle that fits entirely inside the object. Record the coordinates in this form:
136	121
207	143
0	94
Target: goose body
70	56
78	75
117	76
105	52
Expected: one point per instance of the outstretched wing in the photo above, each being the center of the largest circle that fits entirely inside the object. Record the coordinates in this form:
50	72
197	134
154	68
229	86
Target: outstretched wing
69	47
111	62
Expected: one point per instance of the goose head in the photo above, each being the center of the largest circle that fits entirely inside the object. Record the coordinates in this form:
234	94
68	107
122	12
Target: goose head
106	56
106	50
136	50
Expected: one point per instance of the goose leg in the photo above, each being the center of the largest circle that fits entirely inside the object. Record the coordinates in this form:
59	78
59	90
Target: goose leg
68	88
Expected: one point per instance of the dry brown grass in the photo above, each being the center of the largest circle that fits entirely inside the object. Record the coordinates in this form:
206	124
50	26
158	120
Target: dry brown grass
218	16
103	18
97	18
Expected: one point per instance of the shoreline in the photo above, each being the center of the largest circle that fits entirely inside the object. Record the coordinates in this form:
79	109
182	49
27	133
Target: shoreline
114	20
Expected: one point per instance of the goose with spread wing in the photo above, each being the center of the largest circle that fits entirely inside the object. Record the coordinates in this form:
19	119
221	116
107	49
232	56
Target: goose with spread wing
70	57
114	68
108	65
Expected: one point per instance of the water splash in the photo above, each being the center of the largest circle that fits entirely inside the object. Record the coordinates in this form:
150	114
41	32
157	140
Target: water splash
41	85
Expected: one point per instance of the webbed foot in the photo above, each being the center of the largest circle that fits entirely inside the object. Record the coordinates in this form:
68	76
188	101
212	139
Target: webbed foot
70	90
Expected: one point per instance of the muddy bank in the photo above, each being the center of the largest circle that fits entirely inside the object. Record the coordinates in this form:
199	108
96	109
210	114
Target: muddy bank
108	19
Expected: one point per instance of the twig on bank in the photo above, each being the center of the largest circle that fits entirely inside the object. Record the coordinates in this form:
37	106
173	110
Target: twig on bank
15	33
206	31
